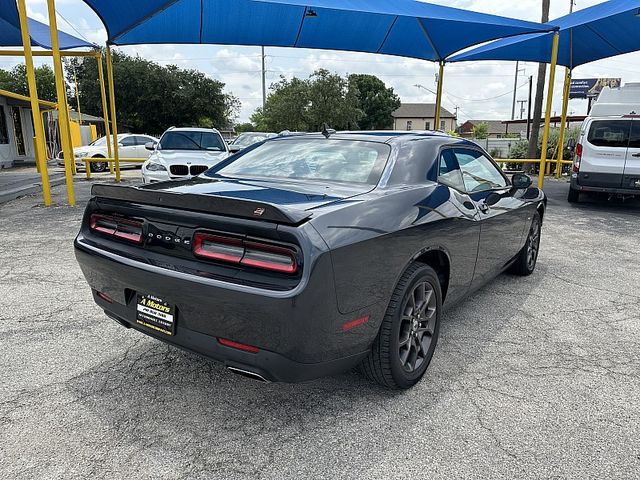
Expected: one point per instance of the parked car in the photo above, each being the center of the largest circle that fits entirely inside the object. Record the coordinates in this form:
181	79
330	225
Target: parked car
183	153
247	139
305	256
607	157
129	146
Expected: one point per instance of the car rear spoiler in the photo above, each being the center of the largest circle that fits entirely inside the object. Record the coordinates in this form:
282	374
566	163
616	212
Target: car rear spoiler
234	207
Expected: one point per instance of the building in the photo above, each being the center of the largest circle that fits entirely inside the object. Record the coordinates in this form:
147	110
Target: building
422	116
16	132
496	128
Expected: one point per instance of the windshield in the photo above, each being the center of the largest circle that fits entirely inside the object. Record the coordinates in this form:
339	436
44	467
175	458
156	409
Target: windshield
247	139
313	159
191	140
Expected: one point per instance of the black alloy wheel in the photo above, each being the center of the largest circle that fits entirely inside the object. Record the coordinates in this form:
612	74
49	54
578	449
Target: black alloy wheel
408	335
417	326
527	259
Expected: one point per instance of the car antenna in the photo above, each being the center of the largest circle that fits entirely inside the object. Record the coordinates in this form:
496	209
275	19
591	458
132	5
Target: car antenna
326	131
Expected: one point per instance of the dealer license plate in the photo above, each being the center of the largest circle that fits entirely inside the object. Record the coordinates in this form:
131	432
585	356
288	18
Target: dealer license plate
156	314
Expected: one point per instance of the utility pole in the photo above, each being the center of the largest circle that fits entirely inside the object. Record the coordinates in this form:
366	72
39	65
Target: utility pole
515	90
264	83
534	131
529	106
522	102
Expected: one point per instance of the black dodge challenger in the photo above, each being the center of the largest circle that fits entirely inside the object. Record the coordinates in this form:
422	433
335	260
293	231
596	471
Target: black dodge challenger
307	255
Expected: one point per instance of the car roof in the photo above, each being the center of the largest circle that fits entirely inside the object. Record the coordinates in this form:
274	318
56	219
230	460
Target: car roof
192	129
378	136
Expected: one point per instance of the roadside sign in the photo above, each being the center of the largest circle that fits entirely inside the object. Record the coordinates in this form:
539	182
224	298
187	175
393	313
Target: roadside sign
591	87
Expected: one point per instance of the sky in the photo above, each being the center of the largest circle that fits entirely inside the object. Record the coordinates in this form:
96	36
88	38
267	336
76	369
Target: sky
480	90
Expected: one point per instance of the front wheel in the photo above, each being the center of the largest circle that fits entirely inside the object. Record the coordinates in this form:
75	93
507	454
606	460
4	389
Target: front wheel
98	167
525	264
403	349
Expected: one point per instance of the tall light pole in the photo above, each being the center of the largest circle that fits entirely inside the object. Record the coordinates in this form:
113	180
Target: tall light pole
264	83
515	90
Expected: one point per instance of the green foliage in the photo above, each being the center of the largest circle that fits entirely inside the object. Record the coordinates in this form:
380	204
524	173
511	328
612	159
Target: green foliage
150	98
15	80
244	127
376	101
481	131
359	101
519	149
453	133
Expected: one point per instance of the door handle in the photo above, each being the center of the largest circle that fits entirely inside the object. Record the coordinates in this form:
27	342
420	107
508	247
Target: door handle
636	155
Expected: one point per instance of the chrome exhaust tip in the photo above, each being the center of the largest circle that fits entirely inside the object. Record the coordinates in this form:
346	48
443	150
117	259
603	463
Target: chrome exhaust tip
248	374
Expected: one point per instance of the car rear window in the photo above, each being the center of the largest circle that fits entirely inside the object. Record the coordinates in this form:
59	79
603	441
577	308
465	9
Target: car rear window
609	133
314	159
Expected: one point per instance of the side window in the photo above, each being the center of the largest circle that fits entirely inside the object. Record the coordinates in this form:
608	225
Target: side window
634	139
449	172
609	133
128	142
478	172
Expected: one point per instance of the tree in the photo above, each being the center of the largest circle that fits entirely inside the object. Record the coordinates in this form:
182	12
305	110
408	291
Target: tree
376	101
481	131
15	80
150	98
286	107
244	127
332	102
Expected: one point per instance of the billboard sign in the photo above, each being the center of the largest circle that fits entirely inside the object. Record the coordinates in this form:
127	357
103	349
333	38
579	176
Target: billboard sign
591	87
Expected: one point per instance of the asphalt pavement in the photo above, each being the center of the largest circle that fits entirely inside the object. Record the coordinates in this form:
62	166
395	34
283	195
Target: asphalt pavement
533	377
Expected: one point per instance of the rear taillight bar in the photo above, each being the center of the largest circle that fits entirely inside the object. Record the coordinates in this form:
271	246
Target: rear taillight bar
123	228
245	252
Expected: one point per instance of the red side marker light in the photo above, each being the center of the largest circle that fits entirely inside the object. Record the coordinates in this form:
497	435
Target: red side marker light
355	323
104	297
238	346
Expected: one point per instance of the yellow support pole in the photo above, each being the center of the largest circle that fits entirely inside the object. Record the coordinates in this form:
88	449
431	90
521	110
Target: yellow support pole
563	120
439	97
63	109
39	144
112	98
547	118
105	109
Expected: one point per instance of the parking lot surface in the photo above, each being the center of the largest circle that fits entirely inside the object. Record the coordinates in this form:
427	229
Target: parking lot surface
533	377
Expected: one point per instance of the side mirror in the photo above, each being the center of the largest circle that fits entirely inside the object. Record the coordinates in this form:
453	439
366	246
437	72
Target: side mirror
521	181
234	148
150	146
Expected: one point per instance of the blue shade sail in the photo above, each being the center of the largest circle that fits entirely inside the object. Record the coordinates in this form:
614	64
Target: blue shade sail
604	30
400	27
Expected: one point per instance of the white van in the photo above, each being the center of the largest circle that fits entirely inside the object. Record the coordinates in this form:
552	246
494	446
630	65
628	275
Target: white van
607	157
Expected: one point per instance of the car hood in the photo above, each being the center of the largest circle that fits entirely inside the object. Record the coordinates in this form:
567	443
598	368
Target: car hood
185	157
298	195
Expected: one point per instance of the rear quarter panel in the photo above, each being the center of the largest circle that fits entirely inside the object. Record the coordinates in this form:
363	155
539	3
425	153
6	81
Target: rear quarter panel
374	239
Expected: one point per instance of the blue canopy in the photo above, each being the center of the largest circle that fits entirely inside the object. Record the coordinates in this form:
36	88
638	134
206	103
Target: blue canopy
604	30
400	27
39	32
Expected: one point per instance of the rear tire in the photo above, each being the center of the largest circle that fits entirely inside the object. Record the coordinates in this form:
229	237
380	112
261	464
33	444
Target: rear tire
527	259
574	195
403	349
98	167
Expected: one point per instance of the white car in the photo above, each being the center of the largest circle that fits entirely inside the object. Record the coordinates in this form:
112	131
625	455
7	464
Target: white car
129	146
183	153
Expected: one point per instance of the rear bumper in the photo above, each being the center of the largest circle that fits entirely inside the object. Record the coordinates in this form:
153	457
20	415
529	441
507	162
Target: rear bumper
299	333
575	185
